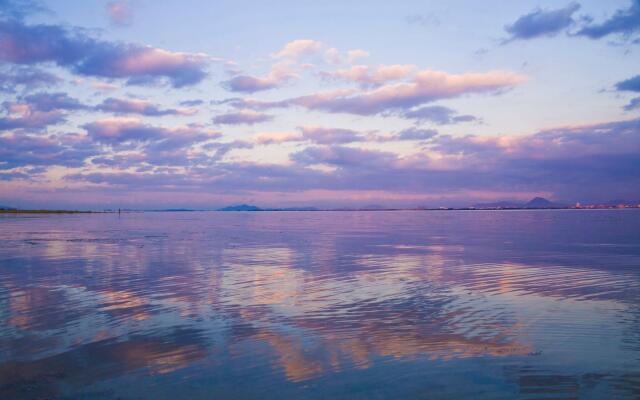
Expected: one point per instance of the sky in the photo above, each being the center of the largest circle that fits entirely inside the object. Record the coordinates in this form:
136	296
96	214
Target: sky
200	104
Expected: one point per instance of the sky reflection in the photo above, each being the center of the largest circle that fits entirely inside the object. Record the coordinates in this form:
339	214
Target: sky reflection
320	304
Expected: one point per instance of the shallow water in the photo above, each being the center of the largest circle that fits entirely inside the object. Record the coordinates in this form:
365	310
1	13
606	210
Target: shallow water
321	305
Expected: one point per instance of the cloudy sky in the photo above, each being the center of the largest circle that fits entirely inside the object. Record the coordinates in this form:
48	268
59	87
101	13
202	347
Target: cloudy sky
156	104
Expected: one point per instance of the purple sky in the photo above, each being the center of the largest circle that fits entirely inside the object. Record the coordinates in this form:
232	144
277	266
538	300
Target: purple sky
157	104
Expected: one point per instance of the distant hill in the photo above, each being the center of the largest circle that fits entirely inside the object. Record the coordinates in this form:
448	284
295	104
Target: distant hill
241	207
537	202
7	208
541	202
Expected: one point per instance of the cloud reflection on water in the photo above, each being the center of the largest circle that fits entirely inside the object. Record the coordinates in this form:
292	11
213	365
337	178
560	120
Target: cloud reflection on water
310	296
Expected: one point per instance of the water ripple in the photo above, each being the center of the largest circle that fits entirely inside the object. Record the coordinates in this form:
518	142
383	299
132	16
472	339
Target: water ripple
318	305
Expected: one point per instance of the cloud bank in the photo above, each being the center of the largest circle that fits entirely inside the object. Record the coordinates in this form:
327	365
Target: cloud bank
24	44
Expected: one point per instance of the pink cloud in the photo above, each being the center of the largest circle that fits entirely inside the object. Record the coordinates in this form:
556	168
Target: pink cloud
120	12
277	137
425	87
313	133
356	54
298	48
572	162
153	61
365	76
85	55
554	146
103	86
279	74
26	116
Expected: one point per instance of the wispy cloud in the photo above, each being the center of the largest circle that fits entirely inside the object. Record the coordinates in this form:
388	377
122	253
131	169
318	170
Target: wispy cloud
425	87
120	12
26	78
438	115
121	130
542	22
624	22
634	104
19	150
141	107
367	77
242	117
538	23
632	84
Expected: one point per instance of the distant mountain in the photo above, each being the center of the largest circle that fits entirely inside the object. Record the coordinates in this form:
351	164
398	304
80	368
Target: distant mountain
541	202
7	208
241	207
537	202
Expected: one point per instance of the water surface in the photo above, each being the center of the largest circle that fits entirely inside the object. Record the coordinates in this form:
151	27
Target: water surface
321	305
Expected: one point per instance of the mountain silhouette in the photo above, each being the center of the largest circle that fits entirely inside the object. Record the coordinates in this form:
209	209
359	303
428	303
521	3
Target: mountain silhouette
541	202
536	202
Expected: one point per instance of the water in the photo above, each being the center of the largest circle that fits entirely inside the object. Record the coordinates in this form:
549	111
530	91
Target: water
321	305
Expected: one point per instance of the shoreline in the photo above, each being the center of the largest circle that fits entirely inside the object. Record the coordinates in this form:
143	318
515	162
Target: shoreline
49	212
317	210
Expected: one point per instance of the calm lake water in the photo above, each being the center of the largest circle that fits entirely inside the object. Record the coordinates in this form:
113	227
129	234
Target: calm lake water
321	305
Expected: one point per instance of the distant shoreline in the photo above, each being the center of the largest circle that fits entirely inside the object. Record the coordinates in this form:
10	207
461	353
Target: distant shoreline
316	210
49	212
